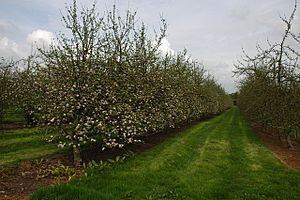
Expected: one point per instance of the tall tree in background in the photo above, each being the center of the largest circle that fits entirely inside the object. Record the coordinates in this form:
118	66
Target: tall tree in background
7	75
269	91
106	81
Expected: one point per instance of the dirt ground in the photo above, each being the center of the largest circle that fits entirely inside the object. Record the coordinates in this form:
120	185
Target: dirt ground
17	182
288	156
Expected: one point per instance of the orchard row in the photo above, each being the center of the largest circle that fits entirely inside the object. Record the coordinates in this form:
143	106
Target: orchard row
270	90
106	81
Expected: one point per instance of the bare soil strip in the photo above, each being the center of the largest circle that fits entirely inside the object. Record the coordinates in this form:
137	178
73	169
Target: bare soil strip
288	156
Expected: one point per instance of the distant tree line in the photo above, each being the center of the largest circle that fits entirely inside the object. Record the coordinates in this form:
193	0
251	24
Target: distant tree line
270	87
106	81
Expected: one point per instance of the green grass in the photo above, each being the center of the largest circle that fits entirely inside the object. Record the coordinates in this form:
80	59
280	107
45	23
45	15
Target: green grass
13	115
217	159
24	144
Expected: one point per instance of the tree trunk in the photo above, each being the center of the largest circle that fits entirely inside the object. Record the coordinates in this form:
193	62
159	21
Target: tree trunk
289	142
76	156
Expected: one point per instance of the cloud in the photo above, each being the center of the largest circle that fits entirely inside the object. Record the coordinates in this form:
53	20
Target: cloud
165	47
223	73
10	49
6	27
41	37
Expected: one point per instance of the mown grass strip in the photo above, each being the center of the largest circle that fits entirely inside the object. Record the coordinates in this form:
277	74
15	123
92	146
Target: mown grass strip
217	159
28	154
12	115
20	141
28	143
24	144
18	133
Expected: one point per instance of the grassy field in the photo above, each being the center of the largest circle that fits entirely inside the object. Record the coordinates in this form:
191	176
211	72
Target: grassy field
13	115
24	144
217	159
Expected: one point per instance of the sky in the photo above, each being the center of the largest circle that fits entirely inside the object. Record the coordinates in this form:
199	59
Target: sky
213	31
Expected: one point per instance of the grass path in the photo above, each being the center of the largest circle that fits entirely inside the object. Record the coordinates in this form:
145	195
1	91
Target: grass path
23	144
217	159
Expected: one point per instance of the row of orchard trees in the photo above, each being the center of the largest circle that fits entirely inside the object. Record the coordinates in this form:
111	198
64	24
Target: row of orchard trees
270	89
108	82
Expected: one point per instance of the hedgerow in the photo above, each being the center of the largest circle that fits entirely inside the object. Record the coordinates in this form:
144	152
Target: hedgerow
6	80
270	89
106	81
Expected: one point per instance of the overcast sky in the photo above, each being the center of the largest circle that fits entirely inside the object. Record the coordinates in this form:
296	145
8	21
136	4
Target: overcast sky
213	31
